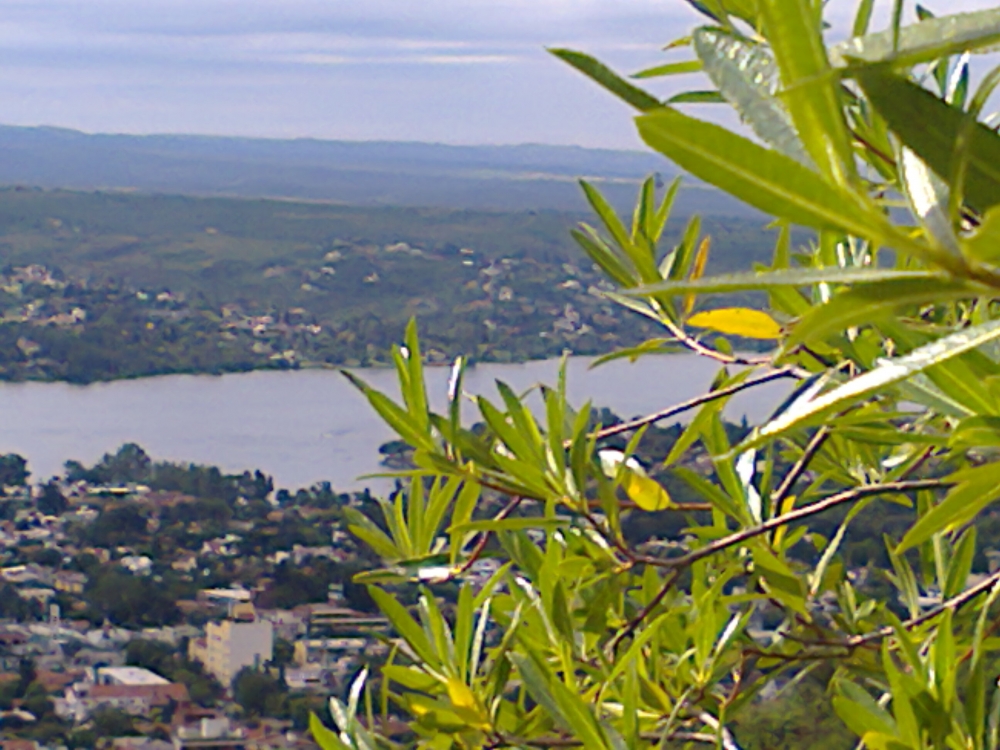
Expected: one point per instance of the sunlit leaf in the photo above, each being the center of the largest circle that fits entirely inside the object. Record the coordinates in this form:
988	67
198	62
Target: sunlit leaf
747	77
931	127
884	374
602	74
975	489
768	180
924	41
738	321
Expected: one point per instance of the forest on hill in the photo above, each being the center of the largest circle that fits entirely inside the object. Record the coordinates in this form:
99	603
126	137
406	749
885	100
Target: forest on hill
103	285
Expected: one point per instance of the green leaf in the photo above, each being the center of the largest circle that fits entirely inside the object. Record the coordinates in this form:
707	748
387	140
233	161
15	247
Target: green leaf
747	77
960	565
808	408
929	199
860	712
607	215
975	489
416	394
509	524
862	18
976	432
794	31
924	41
599	252
563	704
411	678
869	302
984	245
632	353
670	69
697	97
325	738
930	128
397	418
783	584
768	180
602	74
748	281
365	529
405	625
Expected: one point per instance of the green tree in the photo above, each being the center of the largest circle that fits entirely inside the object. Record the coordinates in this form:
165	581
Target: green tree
13	470
112	722
885	327
51	501
258	693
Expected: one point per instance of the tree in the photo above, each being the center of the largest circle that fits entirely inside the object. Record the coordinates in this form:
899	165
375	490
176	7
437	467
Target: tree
886	329
258	693
52	502
112	722
13	470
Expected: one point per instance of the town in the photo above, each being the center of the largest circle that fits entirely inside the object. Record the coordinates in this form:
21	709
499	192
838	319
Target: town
154	605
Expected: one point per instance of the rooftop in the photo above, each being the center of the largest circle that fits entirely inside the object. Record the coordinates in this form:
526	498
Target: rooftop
129	676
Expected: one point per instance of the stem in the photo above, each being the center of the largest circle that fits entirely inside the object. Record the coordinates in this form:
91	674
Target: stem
956	602
798	514
784	372
811	449
480	545
636	621
677	564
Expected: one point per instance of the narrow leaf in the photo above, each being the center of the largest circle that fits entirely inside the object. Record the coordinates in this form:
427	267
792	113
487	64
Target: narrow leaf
738	321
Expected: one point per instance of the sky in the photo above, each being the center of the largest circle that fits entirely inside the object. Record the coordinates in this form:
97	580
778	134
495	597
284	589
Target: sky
451	71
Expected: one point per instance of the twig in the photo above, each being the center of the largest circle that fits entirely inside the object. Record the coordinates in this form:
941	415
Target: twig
953	604
554	742
706	351
677	564
638	619
789	480
480	545
798	514
783	372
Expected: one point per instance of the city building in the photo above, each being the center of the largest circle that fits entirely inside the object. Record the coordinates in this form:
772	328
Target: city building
241	640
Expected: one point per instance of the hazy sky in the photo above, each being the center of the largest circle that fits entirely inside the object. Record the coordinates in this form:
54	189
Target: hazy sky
456	71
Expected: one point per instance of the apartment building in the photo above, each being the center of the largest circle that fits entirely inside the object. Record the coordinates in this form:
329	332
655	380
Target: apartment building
241	640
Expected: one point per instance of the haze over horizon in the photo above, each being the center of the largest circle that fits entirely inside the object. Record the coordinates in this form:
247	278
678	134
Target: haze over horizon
441	71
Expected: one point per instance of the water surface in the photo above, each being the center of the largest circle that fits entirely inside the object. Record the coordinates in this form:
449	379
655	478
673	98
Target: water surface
307	425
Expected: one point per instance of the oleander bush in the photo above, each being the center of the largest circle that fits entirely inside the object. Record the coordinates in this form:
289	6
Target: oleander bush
885	326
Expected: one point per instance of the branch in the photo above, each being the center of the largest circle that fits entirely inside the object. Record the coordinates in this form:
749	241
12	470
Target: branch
677	564
798	514
784	372
555	742
636	621
956	602
706	351
810	451
480	545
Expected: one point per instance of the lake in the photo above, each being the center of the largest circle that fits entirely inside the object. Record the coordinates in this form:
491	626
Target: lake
305	426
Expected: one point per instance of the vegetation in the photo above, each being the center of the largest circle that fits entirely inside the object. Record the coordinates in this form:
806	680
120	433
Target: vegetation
97	286
582	638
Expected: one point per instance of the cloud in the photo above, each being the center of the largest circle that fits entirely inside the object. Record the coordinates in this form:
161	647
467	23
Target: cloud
444	70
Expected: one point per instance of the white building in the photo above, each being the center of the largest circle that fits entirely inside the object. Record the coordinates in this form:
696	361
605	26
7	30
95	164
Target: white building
127	676
244	640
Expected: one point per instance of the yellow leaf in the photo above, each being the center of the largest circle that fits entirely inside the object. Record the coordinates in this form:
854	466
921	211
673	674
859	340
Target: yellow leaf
645	492
697	270
738	321
463	700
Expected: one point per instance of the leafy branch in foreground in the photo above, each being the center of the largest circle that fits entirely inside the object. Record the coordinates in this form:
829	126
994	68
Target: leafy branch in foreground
543	619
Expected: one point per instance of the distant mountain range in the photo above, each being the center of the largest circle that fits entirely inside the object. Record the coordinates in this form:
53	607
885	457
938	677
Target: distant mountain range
359	173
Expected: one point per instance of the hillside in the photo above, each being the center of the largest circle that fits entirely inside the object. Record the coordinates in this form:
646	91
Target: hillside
356	173
102	285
